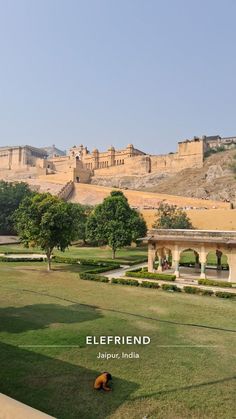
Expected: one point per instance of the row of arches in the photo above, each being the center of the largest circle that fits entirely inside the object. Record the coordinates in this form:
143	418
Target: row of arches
214	263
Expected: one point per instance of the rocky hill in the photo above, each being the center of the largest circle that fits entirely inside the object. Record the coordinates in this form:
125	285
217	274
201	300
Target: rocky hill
215	180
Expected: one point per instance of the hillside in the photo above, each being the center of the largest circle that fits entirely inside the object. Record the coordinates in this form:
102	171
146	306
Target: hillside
215	180
92	195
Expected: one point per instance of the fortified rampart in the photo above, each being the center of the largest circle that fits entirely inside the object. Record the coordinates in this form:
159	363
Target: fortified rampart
189	154
81	165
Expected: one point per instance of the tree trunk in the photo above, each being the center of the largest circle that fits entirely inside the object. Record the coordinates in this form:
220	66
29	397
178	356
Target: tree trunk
113	253
49	261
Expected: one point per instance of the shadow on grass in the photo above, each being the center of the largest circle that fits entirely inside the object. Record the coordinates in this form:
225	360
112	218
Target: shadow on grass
197	325
58	388
40	316
193	386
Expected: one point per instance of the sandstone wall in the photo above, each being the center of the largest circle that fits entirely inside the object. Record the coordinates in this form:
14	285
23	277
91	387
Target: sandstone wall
133	165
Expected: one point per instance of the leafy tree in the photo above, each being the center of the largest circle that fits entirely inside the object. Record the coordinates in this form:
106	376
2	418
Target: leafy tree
48	222
114	223
11	195
170	216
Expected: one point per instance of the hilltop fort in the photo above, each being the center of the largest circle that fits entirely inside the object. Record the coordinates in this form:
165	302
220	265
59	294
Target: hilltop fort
81	165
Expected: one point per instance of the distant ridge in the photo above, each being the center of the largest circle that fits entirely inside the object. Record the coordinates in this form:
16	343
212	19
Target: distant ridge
53	151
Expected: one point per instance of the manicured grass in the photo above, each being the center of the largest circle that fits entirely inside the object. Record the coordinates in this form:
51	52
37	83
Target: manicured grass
186	371
126	255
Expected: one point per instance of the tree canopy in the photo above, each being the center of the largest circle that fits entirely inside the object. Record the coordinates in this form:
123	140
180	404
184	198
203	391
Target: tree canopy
170	216
48	222
11	195
115	223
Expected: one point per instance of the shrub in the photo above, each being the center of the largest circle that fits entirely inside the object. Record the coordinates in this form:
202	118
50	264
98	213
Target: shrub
149	284
83	261
99	266
150	275
98	262
22	252
207	292
23	259
124	281
196	290
192	290
141	259
170	287
93	277
65	259
101	269
224	294
211	282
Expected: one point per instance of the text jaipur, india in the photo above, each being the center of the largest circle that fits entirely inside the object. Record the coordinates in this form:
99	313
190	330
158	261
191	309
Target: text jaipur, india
118	340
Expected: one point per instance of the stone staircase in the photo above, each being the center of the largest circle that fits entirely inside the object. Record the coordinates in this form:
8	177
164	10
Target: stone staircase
66	191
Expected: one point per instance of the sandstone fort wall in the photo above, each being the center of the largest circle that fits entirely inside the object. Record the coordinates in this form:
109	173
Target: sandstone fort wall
81	165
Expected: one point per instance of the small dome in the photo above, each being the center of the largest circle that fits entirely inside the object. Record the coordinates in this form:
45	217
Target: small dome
95	150
130	146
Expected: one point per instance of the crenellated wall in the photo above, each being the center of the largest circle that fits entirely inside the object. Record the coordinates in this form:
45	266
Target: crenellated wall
189	154
81	165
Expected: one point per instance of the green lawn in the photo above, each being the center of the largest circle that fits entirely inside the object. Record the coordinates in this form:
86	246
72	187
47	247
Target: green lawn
123	256
126	255
187	371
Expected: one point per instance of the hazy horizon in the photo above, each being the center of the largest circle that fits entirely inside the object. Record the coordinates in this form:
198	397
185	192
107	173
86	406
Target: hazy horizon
106	73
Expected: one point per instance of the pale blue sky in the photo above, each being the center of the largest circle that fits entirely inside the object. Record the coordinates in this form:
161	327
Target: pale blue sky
102	72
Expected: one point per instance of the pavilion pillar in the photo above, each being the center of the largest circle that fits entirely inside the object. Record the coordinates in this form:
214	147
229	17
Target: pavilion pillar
151	257
232	267
160	255
202	259
219	255
176	258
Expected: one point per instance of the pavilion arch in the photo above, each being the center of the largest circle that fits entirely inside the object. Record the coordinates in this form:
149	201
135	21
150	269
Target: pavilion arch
162	254
195	255
218	257
200	241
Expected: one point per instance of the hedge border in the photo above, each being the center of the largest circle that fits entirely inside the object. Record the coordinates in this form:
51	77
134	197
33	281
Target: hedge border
212	282
150	275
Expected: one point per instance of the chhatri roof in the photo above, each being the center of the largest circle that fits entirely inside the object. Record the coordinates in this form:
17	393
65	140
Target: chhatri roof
187	235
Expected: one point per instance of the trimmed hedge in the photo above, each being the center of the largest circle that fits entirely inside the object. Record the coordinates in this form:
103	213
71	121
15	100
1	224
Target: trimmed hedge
65	259
192	290
141	259
124	281
99	266
224	294
148	284
207	292
98	262
101	269
22	252
93	277
170	287
150	275
212	282
23	259
199	291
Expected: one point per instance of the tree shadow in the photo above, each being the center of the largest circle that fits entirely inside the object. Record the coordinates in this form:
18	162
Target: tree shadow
40	316
58	388
190	387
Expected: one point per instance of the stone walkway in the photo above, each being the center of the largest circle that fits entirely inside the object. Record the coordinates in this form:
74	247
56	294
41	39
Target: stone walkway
9	240
24	255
